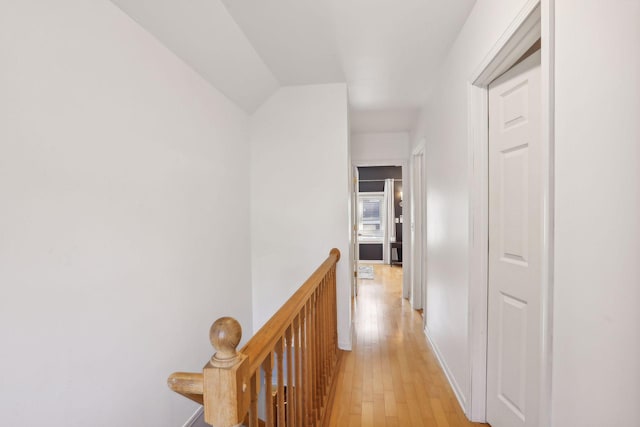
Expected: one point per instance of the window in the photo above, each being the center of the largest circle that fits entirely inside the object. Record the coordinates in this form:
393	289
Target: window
371	216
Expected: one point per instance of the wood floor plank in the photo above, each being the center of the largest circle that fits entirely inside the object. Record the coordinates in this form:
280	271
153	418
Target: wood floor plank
367	413
390	404
391	377
392	422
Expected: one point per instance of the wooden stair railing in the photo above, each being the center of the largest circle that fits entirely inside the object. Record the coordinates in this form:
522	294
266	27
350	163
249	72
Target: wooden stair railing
296	350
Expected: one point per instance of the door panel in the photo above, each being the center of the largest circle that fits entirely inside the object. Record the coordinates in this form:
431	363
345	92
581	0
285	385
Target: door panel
512	346
514	192
515	245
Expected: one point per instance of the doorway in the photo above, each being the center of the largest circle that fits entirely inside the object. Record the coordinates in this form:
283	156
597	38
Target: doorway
378	212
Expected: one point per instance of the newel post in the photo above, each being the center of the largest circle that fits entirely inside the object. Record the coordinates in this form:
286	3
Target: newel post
226	390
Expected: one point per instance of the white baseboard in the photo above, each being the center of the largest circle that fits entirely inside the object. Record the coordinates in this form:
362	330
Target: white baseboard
347	344
447	372
370	261
197	419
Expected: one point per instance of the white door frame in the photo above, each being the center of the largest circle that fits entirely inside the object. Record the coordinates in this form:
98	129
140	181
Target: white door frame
418	234
535	20
354	247
406	186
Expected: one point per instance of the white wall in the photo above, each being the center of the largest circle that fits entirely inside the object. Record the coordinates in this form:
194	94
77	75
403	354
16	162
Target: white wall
373	147
596	361
443	125
123	208
299	195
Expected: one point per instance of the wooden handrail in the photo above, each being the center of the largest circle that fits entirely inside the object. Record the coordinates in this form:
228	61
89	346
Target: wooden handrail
257	347
190	385
297	348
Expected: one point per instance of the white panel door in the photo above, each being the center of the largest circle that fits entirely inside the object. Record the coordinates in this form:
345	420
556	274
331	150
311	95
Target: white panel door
515	244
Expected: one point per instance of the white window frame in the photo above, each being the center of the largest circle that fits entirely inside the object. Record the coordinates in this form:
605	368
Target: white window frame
371	239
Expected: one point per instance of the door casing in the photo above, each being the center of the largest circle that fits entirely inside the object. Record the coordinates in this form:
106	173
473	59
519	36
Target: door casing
418	227
535	20
354	248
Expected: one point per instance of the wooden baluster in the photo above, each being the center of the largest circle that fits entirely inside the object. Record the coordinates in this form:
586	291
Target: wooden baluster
327	331
320	351
329	334
255	392
334	315
320	347
319	344
330	304
316	364
325	343
320	354
328	311
330	318
334	320
309	366
297	333
304	377
280	393
304	329
312	365
316	360
267	366
291	397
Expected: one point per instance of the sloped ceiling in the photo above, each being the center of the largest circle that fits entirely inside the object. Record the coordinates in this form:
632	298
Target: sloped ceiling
205	36
387	51
295	38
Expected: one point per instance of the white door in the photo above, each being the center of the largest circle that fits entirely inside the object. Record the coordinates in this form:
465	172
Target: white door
515	244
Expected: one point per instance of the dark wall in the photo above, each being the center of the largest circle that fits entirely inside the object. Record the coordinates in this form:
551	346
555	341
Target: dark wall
371	186
379	172
370	251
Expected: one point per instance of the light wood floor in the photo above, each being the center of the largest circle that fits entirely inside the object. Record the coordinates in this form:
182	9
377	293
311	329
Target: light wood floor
391	378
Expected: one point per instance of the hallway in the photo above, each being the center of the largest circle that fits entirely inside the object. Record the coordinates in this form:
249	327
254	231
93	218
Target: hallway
392	377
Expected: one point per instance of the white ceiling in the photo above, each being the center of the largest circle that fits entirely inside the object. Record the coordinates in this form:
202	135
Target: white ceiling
387	51
295	38
382	120
205	36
